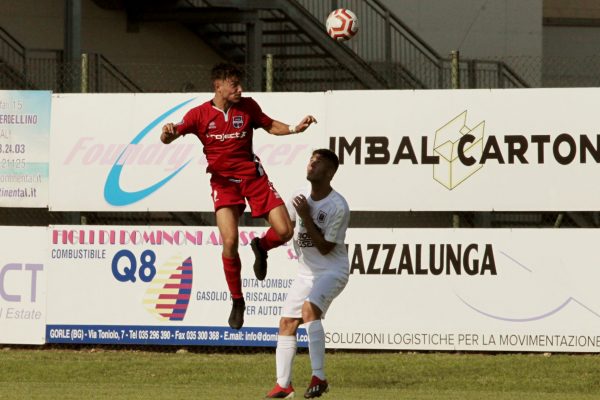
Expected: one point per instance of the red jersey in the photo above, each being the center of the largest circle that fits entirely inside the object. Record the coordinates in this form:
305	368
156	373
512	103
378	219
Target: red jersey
227	136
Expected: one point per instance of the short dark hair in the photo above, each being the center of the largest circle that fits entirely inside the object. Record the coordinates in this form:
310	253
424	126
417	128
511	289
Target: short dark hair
330	156
226	70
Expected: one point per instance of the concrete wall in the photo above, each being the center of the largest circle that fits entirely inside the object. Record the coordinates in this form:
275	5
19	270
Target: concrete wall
584	9
167	55
571	56
551	43
165	50
571	43
478	28
509	30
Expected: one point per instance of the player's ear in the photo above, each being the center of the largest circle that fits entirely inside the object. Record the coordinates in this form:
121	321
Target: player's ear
330	173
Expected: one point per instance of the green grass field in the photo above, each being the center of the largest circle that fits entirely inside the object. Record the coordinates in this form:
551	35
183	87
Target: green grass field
125	374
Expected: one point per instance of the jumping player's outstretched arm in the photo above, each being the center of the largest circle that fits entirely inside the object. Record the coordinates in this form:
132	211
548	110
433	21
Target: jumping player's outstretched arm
279	128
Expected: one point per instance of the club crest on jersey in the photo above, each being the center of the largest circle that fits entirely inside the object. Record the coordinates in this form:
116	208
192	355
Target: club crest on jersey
238	121
321	217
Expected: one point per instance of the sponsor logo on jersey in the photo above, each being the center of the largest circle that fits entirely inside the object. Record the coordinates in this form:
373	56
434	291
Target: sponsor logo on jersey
226	136
303	239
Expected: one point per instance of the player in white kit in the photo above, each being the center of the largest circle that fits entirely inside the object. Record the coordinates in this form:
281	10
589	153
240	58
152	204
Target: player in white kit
321	217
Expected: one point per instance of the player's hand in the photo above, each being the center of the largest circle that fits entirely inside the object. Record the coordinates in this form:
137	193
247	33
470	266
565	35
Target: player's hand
302	207
305	123
169	133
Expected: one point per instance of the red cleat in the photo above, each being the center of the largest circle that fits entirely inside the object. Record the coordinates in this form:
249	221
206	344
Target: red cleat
281	393
316	388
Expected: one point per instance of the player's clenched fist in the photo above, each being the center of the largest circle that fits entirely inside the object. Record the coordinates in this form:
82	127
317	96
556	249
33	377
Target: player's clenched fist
305	123
169	133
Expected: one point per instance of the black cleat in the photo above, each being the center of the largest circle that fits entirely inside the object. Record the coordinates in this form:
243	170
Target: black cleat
236	317
260	260
316	388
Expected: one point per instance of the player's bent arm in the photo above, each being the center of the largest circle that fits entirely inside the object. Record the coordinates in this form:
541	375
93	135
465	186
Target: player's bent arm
324	246
279	128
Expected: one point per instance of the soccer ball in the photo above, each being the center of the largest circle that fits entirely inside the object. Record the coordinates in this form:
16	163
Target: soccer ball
342	24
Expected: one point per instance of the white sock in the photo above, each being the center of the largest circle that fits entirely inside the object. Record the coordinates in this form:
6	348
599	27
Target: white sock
284	359
316	347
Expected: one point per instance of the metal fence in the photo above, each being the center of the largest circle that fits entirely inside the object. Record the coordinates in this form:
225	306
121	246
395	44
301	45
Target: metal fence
359	219
45	70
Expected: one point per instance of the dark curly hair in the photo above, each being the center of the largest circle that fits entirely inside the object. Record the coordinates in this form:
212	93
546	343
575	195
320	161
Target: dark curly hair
330	156
225	71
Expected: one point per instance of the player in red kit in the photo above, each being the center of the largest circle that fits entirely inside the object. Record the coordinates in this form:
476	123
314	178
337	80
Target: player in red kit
225	127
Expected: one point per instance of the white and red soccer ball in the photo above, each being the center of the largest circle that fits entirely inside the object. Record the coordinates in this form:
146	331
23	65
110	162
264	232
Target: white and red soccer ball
342	24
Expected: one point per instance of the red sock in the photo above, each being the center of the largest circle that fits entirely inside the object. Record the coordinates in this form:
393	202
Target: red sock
270	240
233	275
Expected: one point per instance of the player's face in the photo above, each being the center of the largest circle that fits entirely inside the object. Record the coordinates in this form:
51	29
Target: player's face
319	169
229	89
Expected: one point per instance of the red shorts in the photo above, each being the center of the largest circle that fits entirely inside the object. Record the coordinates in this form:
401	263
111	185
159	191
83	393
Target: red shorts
260	193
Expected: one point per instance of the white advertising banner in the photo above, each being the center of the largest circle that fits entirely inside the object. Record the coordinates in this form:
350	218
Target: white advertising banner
23	284
24	136
469	289
421	289
106	153
158	285
476	150
433	150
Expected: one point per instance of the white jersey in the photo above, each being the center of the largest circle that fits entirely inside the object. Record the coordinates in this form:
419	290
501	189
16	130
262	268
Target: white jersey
331	215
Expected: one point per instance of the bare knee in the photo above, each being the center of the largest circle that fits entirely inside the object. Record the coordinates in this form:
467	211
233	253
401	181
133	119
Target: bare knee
281	223
310	312
284	231
286	234
288	326
230	246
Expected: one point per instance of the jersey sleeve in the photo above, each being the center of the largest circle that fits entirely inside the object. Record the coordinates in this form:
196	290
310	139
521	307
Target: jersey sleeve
335	232
259	119
189	123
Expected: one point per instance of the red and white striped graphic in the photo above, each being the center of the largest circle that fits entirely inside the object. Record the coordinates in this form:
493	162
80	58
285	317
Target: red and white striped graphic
342	24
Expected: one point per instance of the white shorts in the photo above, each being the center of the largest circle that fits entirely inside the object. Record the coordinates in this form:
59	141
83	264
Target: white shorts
319	290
